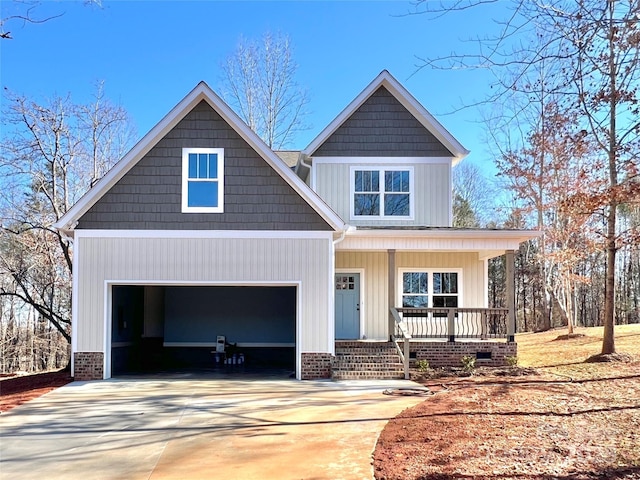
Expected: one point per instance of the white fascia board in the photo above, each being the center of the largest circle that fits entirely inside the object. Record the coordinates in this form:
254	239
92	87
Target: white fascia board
139	150
427	120
313	199
408	101
383	160
201	92
217	234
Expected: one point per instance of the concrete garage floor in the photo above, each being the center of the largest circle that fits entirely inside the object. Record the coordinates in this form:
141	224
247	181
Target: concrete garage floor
191	426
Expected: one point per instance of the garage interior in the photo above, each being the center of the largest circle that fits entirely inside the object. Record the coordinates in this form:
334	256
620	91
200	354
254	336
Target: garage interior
168	328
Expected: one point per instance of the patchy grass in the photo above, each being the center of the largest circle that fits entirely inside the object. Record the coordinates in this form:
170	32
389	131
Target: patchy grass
573	420
544	350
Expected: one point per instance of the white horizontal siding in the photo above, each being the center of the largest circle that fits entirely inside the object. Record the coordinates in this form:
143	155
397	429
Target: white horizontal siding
432	202
202	261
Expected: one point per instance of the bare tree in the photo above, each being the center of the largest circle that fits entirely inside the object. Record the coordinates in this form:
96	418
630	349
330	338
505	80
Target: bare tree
54	151
259	83
588	52
544	184
473	196
21	12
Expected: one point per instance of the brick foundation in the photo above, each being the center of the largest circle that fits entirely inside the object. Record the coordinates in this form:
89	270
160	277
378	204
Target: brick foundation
449	354
88	366
315	366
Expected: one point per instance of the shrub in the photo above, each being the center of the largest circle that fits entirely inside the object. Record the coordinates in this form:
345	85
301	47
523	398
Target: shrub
422	365
512	361
468	363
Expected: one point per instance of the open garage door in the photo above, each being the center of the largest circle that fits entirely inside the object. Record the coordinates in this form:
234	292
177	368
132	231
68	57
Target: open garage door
162	328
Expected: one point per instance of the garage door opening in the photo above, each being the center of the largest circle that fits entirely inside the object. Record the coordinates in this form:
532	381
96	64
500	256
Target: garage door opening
167	328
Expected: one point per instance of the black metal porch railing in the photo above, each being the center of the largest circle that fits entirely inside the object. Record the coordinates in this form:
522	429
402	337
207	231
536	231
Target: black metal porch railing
452	323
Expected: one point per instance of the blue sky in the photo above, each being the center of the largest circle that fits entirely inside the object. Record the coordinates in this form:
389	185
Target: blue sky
152	53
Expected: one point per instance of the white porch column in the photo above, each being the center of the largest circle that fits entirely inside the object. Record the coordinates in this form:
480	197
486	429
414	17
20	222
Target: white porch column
511	294
391	261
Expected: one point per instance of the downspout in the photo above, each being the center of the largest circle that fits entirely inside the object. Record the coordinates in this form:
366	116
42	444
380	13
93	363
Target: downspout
343	234
304	164
341	237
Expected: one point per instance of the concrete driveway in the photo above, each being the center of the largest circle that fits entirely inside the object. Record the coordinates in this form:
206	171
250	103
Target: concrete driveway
199	426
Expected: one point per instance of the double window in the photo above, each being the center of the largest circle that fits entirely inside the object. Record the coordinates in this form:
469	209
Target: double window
382	192
430	289
202	180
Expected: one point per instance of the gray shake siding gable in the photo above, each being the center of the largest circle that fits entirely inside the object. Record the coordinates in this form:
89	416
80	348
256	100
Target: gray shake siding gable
148	197
382	127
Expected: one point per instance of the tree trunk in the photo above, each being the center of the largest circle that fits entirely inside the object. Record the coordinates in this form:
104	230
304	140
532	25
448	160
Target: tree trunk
608	340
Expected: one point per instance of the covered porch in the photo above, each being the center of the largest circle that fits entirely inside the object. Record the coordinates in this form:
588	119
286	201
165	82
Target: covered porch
425	292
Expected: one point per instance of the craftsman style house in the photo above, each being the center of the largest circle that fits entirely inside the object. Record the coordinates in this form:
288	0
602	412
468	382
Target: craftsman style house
337	260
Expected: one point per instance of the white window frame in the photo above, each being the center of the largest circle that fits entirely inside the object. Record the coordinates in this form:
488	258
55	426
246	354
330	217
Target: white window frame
219	180
381	169
429	271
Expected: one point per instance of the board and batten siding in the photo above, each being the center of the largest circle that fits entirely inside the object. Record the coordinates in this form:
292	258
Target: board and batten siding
202	261
375	266
432	195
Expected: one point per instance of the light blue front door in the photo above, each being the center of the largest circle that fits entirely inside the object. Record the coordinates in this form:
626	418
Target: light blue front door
347	299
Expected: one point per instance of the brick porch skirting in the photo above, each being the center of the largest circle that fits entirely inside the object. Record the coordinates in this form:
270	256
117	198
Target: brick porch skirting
449	354
88	366
315	366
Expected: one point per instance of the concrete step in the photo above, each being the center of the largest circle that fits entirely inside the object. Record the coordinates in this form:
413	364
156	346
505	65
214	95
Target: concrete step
373	358
363	375
367	350
394	365
367	353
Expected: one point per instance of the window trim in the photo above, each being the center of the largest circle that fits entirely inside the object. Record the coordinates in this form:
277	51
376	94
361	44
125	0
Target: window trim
429	271
381	169
185	180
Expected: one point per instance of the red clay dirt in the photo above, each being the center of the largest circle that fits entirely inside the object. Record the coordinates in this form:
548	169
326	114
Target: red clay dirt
18	389
582	424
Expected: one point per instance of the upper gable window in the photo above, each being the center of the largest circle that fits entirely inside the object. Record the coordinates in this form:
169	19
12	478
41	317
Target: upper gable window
202	180
381	192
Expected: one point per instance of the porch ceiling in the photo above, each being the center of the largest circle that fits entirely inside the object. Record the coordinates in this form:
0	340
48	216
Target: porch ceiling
486	243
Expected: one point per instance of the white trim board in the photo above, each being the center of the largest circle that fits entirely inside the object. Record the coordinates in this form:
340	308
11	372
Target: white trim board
187	234
391	161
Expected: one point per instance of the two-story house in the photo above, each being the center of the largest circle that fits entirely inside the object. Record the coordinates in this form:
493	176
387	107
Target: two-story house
340	262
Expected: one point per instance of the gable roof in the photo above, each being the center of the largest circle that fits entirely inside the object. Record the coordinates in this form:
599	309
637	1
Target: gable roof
202	92
385	79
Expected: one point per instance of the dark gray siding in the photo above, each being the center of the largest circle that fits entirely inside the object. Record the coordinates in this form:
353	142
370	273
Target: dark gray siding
382	127
148	197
